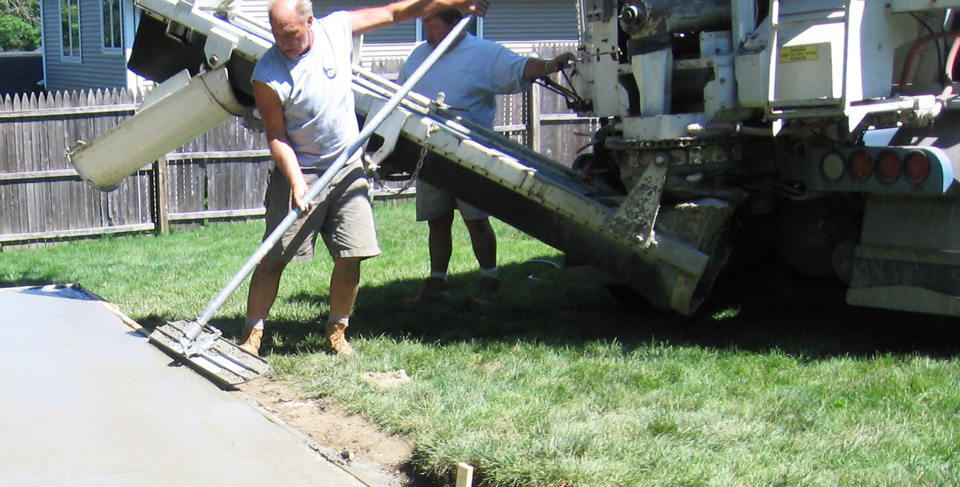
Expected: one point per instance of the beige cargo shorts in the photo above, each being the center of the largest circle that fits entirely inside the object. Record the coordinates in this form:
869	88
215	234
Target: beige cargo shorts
342	214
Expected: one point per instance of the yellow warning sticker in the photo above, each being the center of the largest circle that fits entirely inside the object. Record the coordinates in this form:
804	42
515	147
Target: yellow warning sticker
792	54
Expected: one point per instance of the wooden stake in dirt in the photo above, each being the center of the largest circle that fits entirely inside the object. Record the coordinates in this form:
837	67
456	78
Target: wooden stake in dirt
464	475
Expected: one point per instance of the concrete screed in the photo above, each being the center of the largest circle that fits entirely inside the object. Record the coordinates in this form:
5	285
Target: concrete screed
87	401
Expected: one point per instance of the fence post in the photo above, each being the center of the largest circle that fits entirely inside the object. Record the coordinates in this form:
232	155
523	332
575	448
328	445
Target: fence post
533	117
160	200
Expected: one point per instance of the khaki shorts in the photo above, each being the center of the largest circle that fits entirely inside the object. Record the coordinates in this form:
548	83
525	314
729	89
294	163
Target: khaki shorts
342	214
433	202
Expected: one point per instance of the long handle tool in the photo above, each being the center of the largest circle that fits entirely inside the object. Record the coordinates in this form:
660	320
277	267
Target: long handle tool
202	345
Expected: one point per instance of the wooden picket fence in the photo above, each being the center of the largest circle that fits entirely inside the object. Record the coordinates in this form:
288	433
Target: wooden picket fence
220	175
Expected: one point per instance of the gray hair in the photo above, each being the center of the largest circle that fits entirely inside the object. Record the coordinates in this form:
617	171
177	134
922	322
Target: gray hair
303	7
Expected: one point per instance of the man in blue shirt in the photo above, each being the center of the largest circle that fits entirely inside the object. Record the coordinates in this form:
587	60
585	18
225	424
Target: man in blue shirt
471	73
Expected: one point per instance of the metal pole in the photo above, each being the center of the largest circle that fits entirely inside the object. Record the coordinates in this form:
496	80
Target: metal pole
533	117
328	175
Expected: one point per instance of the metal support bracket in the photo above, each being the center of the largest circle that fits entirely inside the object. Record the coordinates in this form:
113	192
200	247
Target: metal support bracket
219	46
637	215
390	131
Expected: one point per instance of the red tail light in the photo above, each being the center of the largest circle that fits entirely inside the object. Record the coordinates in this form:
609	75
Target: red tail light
888	167
917	167
860	166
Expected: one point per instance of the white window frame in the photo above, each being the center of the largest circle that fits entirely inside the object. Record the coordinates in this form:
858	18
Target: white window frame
119	41
75	53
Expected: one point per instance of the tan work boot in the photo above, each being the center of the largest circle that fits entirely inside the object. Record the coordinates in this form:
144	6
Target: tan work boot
433	289
489	291
337	340
250	340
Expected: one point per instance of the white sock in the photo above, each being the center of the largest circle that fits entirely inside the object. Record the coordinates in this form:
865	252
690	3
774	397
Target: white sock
345	320
257	323
441	275
489	272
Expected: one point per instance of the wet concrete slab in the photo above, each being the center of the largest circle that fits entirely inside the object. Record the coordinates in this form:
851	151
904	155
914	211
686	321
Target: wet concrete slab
85	400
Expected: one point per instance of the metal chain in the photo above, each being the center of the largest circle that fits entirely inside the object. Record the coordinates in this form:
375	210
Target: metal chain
424	149
617	143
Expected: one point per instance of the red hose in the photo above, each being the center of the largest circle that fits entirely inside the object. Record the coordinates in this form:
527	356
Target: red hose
908	63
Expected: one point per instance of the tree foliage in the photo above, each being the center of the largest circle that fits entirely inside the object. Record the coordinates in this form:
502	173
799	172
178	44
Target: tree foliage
19	25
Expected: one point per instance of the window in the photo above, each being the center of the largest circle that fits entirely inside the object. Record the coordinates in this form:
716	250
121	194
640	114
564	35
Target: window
112	25
70	28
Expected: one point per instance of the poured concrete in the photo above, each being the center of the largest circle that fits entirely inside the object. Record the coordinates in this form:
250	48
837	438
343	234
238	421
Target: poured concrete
86	401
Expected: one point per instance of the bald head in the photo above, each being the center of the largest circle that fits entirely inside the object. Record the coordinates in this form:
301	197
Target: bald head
290	22
301	8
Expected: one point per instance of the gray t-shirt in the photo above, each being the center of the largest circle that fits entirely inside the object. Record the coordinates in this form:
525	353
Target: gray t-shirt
316	91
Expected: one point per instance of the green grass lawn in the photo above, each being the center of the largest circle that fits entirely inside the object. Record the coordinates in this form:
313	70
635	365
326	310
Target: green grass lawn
774	382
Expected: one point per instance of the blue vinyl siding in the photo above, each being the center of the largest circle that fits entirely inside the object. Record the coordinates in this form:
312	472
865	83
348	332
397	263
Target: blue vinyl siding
531	20
528	20
404	32
96	69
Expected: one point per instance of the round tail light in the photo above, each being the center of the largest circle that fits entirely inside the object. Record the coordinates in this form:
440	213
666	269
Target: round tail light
917	166
832	166
860	166
888	167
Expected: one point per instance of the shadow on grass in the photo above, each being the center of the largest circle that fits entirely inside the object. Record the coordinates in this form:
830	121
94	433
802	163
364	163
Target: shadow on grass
756	307
749	311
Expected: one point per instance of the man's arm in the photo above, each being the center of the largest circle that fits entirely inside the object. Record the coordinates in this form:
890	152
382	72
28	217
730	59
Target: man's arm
536	68
271	112
367	19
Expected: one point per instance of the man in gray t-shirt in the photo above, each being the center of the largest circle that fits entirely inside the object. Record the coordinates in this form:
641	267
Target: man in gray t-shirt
302	87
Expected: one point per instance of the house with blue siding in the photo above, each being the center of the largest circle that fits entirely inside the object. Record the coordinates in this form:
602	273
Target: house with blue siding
523	26
517	25
87	43
529	20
